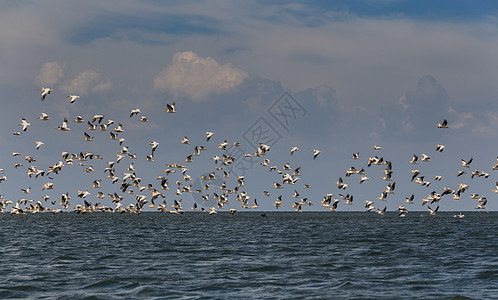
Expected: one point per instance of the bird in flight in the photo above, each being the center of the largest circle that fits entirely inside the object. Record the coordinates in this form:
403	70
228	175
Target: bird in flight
45	92
24	124
170	108
72	98
443	124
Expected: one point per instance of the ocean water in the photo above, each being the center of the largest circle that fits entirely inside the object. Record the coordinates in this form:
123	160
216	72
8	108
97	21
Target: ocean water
284	255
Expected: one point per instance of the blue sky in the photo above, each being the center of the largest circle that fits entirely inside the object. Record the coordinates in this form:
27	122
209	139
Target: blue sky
365	72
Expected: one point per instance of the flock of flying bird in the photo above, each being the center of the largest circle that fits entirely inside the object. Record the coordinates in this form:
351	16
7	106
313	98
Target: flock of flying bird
153	196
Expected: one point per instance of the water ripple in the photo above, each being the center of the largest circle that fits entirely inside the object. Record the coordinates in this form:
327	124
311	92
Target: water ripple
283	256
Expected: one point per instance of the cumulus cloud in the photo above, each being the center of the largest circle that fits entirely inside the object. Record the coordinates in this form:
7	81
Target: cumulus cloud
50	74
196	77
88	81
418	110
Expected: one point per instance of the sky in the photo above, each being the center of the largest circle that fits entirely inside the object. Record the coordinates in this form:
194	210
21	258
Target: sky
338	76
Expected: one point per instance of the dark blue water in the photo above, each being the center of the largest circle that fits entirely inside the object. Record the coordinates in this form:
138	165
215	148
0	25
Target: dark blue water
280	256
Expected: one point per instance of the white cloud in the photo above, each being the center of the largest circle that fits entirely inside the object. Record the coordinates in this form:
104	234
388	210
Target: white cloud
88	81
196	77
50	74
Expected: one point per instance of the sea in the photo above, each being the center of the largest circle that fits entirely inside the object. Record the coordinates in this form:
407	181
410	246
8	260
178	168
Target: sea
249	255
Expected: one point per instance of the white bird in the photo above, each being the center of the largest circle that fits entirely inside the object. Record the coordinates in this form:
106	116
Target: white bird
363	179
444	124
24	124
425	158
432	212
97	118
154	145
119	128
185	141
64	126
143	119
209	135
45	92
170	108
48	186
135	111
79	119
72	98
440	148
83	194
377	147
466	163
496	188
341	184
293	149
44	117
87	137
96	184
38	144
316	153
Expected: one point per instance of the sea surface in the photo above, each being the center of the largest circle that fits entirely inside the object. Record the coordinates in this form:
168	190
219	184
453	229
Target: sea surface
283	255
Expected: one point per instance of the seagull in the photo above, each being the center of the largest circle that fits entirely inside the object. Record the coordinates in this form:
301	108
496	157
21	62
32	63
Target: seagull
24	124
44	117
72	98
170	108
45	92
444	124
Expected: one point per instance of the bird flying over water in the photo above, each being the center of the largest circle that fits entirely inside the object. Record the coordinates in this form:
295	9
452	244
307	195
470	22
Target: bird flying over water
45	92
170	108
24	124
73	98
443	124
316	153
